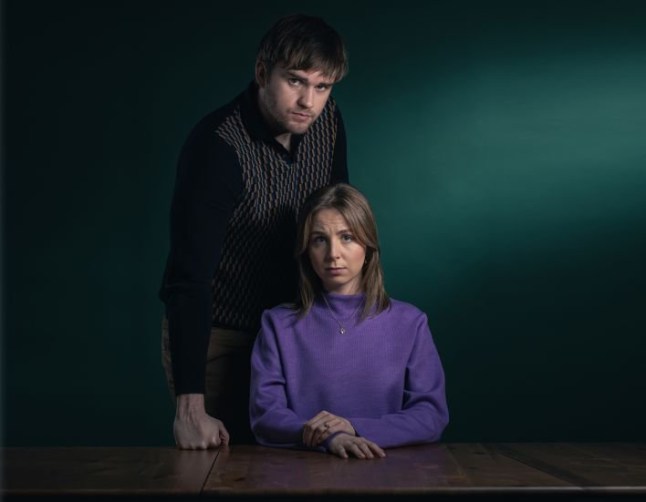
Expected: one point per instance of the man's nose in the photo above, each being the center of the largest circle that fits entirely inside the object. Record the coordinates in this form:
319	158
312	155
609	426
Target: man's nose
306	98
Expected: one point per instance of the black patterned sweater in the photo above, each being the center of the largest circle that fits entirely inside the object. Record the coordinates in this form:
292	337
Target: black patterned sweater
233	224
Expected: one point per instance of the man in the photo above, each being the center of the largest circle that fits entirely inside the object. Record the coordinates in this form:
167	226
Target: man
243	172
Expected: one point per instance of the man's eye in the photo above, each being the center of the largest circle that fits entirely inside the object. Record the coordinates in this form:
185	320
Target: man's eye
322	87
293	81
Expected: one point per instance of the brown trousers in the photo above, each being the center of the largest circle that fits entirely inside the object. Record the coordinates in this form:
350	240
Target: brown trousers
227	379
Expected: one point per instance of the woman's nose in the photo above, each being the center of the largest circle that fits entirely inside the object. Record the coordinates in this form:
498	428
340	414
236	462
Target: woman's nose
333	250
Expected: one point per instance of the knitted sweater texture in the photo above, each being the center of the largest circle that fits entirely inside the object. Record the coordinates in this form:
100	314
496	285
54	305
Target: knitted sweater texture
233	224
384	374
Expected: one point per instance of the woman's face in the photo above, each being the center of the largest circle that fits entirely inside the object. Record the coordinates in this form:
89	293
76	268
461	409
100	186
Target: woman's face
336	256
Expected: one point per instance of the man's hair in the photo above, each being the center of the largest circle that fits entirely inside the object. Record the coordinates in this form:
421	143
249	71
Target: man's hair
356	210
301	42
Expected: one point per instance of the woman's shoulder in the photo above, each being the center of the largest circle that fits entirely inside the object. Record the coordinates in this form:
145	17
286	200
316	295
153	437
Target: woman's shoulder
280	320
281	312
404	309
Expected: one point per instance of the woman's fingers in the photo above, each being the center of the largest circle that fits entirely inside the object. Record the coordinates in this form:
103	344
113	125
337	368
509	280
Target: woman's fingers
312	426
322	425
344	445
324	430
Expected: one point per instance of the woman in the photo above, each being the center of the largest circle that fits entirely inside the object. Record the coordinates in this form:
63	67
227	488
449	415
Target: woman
347	369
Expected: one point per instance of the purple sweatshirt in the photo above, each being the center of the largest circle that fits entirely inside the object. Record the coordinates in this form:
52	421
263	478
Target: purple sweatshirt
384	374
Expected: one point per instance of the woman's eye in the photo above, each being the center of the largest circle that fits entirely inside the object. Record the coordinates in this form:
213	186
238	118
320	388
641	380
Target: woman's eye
347	238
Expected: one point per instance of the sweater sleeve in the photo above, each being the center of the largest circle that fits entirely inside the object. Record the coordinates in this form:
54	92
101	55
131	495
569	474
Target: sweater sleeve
207	187
272	421
424	414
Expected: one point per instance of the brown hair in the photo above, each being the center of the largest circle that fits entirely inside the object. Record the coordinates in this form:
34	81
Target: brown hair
303	42
356	210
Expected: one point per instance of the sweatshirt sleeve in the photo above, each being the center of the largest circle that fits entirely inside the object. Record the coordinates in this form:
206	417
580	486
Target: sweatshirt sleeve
424	414
272	421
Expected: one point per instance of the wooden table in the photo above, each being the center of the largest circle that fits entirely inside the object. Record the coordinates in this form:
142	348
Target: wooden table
577	471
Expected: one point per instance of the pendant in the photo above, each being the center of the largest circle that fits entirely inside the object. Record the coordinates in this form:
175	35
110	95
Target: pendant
342	330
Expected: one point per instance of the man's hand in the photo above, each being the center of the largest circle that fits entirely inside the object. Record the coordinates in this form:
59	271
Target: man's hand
317	429
194	429
344	445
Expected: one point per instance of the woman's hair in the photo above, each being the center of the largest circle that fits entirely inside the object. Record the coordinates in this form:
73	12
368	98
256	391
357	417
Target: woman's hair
301	42
354	207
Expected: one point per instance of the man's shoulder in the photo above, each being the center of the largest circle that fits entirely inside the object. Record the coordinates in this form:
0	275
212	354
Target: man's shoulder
212	120
328	120
331	108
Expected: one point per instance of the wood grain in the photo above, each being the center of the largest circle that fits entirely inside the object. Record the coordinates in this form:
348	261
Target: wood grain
105	471
428	469
483	470
595	467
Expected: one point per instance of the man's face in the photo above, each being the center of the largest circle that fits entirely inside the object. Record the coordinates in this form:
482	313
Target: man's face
291	100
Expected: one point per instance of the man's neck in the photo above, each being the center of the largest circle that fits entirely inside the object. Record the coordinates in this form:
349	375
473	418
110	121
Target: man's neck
285	139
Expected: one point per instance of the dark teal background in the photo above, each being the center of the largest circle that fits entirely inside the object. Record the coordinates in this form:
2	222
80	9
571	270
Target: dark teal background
502	145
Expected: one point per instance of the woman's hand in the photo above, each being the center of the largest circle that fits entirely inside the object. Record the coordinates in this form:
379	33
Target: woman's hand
324	424
344	445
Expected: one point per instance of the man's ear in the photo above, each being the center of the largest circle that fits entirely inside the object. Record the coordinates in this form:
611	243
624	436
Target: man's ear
262	75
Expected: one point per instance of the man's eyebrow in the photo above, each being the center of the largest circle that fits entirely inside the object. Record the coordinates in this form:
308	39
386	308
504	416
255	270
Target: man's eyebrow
292	74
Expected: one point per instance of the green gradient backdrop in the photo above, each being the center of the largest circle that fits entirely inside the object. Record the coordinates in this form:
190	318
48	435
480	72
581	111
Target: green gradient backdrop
502	145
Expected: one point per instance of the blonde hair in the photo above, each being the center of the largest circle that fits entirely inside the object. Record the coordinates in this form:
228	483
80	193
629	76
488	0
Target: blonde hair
356	210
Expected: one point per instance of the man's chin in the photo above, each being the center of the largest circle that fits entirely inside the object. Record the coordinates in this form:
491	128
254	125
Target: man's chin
299	128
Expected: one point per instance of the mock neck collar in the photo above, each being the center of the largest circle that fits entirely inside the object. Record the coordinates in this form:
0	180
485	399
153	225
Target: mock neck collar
342	305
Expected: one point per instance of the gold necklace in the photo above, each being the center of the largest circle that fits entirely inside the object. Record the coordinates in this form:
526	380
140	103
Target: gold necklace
342	329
